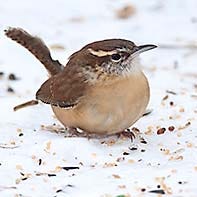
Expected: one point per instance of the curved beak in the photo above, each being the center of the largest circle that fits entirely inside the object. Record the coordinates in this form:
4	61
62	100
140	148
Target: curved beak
146	47
140	49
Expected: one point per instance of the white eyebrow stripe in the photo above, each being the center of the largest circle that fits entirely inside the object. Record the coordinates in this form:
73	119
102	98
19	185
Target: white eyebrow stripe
101	53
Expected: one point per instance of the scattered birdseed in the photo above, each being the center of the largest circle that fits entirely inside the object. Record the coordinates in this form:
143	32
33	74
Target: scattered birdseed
11	90
33	157
190	145
53	128
131	161
126	12
161	131
77	19
12	76
57	169
149	130
25	178
9	146
171	103
147	112
176	158
171	128
107	165
165	98
179	134
119	159
171	92
143	141
120	196
69	185
39	162
1	74
187	124
19	130
116	176
110	142
94	155
194	96
50	175
20	134
181	110
122	186
132	148
174	171
70	168
59	190
166	151
17	181
19	167
180	150
184	126
48	146
159	191
125	153
164	187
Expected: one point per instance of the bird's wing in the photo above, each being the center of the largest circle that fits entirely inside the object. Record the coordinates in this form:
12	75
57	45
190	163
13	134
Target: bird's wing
64	89
37	47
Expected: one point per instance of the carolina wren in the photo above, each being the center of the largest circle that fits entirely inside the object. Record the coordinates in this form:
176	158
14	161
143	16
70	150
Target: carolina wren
101	89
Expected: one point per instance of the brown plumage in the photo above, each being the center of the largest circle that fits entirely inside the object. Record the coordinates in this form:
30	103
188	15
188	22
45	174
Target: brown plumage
63	90
101	90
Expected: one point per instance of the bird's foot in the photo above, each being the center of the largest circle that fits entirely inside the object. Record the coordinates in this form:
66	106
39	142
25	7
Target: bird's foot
73	132
127	134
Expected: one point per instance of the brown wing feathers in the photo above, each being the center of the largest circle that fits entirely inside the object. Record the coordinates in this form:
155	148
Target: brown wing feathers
37	47
65	86
63	90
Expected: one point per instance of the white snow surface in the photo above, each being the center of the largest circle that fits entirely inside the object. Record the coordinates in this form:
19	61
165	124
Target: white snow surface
166	162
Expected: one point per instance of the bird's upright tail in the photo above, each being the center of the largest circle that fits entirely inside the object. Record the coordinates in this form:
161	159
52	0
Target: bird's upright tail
37	47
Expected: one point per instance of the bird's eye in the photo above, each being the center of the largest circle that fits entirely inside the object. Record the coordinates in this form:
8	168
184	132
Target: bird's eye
116	57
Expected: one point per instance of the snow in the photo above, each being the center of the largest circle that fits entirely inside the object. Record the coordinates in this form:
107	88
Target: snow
168	160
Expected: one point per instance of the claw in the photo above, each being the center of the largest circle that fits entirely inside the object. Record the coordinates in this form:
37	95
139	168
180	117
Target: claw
128	134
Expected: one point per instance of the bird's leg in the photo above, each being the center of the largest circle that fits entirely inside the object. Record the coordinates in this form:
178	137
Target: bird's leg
73	132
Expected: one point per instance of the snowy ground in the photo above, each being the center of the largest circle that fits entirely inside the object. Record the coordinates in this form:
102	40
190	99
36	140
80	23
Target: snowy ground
33	158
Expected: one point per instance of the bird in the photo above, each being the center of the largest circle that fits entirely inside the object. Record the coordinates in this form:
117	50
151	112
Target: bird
101	90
